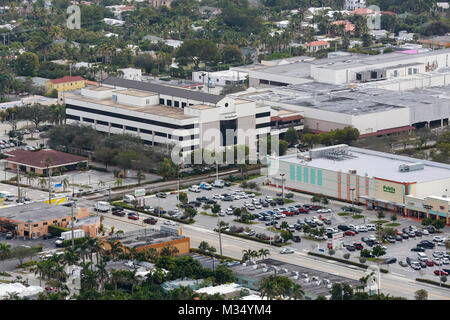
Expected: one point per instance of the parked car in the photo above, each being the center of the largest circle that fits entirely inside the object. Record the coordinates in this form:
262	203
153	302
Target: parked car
429	262
324	210
9	235
47	236
133	217
418	249
440	273
349	233
343	227
390	260
118	213
438	239
296	239
351	248
358	246
402	263
161	195
150	221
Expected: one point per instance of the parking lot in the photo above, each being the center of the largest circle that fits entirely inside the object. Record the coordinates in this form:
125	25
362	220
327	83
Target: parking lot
399	250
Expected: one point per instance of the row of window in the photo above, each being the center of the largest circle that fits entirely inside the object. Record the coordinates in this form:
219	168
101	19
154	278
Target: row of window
168	102
44	223
119	126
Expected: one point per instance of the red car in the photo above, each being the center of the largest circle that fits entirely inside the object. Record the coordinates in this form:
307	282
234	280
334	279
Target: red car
443	273
329	245
358	246
301	210
349	233
133	217
429	263
289	213
118	213
150	221
322	217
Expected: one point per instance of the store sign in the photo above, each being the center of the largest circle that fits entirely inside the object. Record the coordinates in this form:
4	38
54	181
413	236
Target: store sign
388	189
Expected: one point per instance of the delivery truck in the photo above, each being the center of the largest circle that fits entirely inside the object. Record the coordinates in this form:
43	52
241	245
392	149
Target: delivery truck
67	235
102	206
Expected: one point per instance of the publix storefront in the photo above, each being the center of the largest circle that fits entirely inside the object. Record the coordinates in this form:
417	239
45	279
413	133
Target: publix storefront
389	194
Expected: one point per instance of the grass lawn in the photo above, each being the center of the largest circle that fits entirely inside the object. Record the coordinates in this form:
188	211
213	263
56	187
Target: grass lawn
209	214
393	224
343	214
247	222
257	194
32	139
358	216
379	221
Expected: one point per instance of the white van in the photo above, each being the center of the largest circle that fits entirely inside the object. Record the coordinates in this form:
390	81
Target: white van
102	206
422	256
7	196
128	198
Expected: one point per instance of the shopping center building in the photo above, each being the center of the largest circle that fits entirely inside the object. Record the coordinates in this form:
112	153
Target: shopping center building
411	187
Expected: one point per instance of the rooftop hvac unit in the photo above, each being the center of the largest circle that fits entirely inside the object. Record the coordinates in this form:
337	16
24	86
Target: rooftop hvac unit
411	167
352	171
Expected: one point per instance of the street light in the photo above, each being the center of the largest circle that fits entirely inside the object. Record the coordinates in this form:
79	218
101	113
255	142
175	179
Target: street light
282	186
352	189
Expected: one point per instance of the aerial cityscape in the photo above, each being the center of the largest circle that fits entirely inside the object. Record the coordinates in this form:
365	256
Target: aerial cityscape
224	150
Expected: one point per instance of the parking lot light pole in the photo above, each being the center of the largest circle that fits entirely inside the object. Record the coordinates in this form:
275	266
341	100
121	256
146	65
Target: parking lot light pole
282	185
73	240
352	189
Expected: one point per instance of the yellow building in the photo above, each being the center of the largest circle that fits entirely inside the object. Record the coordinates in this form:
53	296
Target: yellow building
66	83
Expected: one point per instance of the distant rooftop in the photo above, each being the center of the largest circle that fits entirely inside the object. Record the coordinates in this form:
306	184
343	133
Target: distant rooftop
377	164
162	89
35	212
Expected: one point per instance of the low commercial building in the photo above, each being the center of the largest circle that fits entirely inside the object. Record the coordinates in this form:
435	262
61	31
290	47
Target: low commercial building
316	46
35	161
67	83
438	42
220	78
144	239
131	73
32	220
372	178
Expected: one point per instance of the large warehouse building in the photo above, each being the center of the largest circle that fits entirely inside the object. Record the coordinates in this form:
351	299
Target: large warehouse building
409	186
161	114
326	107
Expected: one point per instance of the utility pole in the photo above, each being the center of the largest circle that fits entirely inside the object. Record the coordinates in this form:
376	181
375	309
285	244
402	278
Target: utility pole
220	236
73	240
49	186
18	184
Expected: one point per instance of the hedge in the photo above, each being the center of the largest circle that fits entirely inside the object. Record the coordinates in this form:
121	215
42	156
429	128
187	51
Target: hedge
77	241
127	206
56	230
215	255
343	261
433	282
254	238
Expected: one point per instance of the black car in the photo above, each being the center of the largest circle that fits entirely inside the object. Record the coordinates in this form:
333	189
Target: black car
280	202
351	247
271	223
161	195
195	203
390	260
423	265
418	249
431	229
298	226
210	201
227	184
364	239
405	236
47	236
202	199
296	239
227	199
419	233
426	244
116	209
265	204
343	227
398	238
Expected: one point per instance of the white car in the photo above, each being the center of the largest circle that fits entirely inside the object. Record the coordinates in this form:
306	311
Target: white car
194	188
258	206
372	237
425	232
438	239
362	229
235	197
222	213
251	195
250	207
229	211
217	196
286	251
170	223
371	227
324	211
268	198
445	260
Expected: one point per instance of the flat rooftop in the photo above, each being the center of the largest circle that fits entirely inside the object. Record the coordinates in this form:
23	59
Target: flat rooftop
35	212
342	99
158	110
368	60
144	237
311	288
376	164
136	93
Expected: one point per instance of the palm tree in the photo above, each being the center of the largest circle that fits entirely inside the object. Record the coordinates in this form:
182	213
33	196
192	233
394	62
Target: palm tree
5	250
101	183
263	253
102	274
65	183
268	288
116	248
71	256
296	292
83	250
42	183
140	176
41	268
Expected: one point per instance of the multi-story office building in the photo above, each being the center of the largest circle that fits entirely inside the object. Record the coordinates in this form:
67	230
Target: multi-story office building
161	114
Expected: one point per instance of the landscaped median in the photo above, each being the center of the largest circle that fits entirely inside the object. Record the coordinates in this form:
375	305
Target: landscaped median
436	283
357	264
244	236
130	207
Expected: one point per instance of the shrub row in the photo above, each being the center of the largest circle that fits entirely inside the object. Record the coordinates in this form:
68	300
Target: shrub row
76	242
364	266
215	255
433	282
56	230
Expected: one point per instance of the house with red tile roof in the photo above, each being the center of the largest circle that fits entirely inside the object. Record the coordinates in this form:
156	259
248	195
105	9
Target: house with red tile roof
35	161
316	45
348	26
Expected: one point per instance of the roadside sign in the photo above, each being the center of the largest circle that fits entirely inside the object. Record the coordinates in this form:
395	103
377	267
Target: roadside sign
139	192
58	185
321	250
